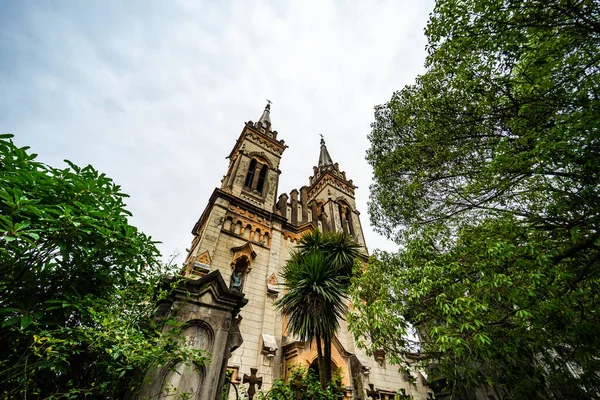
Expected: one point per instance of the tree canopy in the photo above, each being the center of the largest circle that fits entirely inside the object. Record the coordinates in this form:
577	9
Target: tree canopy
487	175
78	284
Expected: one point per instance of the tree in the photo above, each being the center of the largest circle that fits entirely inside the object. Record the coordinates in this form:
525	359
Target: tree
487	175
78	284
316	279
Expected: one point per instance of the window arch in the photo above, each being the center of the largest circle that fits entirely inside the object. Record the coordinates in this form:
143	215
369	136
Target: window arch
345	213
256	176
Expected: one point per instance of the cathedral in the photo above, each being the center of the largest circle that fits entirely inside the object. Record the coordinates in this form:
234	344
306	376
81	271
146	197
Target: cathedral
247	232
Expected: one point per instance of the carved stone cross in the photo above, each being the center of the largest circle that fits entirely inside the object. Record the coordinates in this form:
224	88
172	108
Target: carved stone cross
372	393
252	380
298	387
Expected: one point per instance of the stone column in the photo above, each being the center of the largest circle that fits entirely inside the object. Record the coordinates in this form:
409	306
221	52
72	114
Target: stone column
209	310
283	201
256	175
303	201
294	201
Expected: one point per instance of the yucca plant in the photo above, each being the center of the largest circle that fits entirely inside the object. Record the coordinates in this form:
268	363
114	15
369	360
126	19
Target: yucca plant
316	279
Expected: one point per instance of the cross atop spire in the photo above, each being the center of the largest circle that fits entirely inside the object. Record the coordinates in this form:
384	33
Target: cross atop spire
324	157
265	118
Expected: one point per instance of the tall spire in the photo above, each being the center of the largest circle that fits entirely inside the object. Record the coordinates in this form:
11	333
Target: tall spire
265	118
324	157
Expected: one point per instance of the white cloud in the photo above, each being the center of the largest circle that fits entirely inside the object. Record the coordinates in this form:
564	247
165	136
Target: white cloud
155	94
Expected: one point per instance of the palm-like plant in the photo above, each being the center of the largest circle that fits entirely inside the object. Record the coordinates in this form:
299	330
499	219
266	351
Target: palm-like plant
316	278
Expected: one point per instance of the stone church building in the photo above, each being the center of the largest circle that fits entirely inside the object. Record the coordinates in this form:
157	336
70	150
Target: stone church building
247	232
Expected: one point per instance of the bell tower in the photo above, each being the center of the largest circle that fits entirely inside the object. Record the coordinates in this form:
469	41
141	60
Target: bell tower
331	196
242	208
253	172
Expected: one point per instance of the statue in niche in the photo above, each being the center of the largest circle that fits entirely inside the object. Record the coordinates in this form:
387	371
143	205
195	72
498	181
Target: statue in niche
240	268
236	280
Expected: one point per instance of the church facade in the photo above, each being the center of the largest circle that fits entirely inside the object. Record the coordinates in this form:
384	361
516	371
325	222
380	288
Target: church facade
247	232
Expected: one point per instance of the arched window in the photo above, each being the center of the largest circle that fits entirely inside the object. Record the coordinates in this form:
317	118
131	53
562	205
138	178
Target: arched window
237	228
261	179
256	175
250	174
346	218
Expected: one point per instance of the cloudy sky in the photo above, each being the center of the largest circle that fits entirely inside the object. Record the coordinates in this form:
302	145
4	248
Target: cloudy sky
155	93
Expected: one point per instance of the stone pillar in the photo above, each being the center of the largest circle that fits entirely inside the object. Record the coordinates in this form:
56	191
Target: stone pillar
303	201
256	175
209	310
294	201
315	218
283	201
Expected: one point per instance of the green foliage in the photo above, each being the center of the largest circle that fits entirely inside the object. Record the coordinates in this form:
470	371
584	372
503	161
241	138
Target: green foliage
303	385
78	285
487	174
316	281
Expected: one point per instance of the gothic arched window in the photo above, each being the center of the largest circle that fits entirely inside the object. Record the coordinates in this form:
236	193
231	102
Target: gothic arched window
346	218
256	175
250	174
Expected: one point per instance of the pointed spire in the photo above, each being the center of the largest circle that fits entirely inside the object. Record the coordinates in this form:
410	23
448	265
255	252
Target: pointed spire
324	157
265	118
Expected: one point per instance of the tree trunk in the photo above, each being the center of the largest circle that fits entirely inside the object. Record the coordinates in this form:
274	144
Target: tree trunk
320	360
327	360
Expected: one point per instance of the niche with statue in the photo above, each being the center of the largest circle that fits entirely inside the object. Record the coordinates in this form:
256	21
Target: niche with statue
241	266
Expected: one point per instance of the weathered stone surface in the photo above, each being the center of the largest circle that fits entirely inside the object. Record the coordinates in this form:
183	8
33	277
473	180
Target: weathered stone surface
209	310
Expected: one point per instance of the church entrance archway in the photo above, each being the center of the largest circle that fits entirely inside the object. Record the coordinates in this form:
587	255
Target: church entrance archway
314	366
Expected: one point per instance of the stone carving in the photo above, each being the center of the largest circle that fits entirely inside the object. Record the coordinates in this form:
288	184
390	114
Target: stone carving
204	258
272	285
372	393
298	387
209	310
261	141
248	215
252	381
245	250
184	380
379	356
201	264
261	157
236	280
269	345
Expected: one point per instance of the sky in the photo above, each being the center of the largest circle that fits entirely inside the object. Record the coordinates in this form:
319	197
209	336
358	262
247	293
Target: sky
155	93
